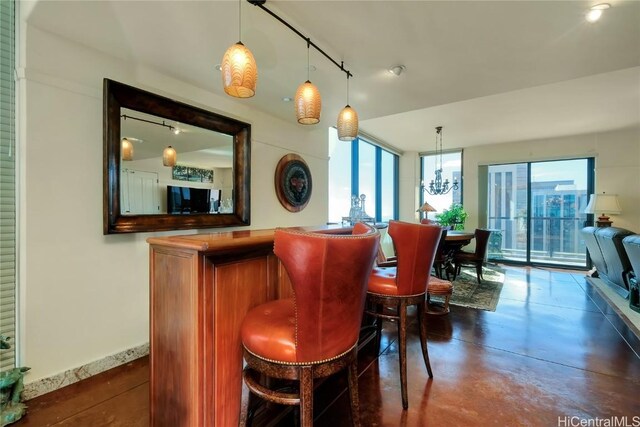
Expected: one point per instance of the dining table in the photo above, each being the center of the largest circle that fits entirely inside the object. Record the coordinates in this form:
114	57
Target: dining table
453	243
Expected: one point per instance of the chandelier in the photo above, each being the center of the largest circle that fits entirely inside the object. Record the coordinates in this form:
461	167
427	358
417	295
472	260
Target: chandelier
437	186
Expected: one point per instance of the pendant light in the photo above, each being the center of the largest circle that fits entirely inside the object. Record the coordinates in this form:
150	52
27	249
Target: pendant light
437	186
347	121
307	100
239	69
127	150
169	156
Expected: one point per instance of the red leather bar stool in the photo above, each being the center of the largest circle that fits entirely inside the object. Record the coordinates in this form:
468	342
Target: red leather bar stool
315	333
405	285
439	287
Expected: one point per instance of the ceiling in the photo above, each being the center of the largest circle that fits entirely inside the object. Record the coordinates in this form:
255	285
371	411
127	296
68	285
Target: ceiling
488	71
198	147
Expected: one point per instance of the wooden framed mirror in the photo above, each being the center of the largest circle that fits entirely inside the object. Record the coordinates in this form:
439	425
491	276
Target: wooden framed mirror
207	186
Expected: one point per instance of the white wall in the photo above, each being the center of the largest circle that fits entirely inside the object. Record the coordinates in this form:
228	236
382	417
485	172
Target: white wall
617	155
617	167
83	295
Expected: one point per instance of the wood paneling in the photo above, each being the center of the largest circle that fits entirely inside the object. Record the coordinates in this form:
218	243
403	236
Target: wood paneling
175	344
239	286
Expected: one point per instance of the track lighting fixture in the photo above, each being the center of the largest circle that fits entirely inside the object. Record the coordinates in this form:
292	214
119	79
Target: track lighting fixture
169	156
127	150
347	121
239	69
308	100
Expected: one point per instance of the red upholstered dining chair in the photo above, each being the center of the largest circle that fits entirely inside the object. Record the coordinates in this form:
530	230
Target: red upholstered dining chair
405	285
315	333
476	258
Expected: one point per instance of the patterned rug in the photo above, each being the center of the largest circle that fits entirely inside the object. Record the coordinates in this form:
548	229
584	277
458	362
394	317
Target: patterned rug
468	293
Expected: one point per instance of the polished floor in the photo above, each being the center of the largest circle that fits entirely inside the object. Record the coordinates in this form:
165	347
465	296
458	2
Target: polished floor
552	350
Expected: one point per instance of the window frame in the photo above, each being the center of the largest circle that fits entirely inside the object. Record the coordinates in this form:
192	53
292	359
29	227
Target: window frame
424	154
376	211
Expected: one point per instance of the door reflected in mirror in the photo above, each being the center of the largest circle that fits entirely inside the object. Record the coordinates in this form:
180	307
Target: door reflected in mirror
198	179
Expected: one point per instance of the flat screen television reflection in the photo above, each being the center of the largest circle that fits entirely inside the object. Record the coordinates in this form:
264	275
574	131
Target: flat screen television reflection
189	200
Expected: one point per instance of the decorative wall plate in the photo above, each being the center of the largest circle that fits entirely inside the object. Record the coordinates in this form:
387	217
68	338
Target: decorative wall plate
293	182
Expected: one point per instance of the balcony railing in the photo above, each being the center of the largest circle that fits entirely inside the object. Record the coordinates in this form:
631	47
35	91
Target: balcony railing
554	240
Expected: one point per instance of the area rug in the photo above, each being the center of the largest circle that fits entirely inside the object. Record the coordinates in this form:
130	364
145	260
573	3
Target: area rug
468	293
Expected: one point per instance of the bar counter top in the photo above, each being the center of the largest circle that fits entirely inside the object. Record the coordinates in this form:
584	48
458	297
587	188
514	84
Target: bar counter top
211	242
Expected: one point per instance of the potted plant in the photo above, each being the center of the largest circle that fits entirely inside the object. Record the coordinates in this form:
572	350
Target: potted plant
455	217
11	407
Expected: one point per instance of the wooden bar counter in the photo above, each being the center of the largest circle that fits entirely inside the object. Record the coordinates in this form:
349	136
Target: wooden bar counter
201	287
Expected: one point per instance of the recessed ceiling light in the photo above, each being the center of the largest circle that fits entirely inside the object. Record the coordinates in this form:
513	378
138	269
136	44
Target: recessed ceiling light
287	99
595	12
219	67
397	69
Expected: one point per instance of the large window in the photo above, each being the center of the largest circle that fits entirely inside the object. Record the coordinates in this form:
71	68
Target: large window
536	211
451	170
361	167
7	183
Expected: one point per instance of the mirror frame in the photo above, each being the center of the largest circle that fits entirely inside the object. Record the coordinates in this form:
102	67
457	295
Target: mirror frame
118	95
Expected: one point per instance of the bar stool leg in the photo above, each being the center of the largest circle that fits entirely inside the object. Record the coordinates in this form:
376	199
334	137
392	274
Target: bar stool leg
353	393
244	405
402	350
422	318
306	396
378	323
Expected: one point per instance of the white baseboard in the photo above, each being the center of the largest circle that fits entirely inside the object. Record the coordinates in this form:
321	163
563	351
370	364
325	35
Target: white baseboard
46	385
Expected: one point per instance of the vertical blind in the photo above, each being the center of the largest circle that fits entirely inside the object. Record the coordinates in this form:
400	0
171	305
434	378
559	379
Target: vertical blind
7	182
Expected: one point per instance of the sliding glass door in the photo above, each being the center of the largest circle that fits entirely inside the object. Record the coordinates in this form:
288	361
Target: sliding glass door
536	211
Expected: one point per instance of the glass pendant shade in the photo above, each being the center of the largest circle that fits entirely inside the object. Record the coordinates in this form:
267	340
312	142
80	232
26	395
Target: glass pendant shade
169	156
308	104
239	72
127	149
347	124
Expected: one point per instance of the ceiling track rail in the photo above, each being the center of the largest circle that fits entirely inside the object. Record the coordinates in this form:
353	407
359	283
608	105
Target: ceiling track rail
260	4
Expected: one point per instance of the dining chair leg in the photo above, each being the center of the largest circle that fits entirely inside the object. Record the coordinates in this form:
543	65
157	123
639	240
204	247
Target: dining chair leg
422	318
479	272
306	396
402	350
353	393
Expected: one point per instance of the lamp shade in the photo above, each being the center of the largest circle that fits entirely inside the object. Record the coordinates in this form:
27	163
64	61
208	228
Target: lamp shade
426	207
169	156
127	149
603	203
347	124
308	104
239	72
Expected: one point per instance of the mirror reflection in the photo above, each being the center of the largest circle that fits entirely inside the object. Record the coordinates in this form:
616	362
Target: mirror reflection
168	167
180	166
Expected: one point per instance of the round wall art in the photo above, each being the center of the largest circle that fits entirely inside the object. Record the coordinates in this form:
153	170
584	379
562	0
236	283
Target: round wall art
293	182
